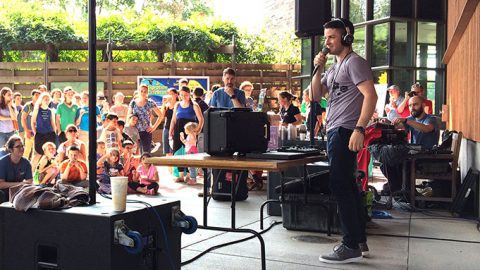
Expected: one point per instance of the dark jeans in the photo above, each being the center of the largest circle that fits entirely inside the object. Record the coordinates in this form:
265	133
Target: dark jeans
343	186
145	141
3	195
394	174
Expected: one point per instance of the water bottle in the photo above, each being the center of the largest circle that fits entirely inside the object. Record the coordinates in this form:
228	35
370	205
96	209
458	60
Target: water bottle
261	99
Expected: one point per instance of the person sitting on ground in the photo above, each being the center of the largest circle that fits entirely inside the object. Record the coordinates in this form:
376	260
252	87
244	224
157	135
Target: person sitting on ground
71	136
111	135
47	168
423	129
129	161
146	179
14	168
112	167
73	170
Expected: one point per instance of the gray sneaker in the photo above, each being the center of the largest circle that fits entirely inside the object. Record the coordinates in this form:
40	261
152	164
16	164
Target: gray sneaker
364	249
342	254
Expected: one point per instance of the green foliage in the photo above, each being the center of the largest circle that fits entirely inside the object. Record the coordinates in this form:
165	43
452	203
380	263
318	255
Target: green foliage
187	37
114	27
196	35
6	36
46	27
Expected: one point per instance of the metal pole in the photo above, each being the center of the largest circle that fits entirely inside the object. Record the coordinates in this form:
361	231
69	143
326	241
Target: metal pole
92	103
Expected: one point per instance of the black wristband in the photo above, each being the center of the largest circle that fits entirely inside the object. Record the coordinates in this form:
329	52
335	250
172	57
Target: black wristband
233	97
360	129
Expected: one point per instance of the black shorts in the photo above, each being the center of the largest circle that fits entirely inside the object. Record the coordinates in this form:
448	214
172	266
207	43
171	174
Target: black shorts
41	139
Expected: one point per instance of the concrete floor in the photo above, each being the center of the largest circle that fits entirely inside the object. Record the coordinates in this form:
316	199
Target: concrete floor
397	243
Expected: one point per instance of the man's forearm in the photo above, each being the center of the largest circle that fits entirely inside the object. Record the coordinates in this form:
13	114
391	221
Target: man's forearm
368	107
419	126
5	185
236	103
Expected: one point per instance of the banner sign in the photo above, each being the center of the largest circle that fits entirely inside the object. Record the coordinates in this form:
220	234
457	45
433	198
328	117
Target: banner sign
158	85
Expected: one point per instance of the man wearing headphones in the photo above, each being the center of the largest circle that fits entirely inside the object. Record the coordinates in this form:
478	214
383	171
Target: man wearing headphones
352	99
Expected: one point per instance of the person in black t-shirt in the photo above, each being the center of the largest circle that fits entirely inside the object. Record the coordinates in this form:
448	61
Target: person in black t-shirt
289	113
197	97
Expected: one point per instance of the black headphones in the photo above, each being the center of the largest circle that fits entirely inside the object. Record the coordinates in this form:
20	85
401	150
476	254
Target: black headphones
347	38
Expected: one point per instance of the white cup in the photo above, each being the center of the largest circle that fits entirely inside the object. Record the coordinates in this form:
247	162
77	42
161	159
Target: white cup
119	186
302	136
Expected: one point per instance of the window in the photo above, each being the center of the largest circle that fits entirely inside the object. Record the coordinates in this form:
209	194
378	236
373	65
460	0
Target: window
380	48
402	49
359	44
358	11
306	56
381	9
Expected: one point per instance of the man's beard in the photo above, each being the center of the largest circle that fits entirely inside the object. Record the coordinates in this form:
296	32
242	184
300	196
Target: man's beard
415	113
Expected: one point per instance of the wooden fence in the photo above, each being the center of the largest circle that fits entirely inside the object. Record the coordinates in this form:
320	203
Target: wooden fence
122	77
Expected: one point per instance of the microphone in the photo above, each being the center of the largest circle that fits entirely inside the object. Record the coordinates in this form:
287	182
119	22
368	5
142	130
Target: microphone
325	51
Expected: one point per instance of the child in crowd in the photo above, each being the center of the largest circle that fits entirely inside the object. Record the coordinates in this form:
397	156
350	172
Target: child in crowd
190	143
146	179
101	151
47	168
71	139
111	135
131	130
73	170
128	160
121	127
112	167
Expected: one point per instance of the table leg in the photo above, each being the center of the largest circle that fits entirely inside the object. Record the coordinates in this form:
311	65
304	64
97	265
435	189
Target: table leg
256	234
205	195
233	185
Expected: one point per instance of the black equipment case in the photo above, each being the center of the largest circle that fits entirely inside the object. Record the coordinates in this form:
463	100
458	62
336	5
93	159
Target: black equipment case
222	185
235	130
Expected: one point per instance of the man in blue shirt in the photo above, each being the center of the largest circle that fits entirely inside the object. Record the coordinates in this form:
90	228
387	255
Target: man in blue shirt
422	127
423	130
228	96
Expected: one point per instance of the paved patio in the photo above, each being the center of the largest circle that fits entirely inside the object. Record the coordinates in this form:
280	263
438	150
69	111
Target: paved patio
398	243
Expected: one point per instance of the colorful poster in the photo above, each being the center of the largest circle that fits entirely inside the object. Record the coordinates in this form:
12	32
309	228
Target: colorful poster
158	85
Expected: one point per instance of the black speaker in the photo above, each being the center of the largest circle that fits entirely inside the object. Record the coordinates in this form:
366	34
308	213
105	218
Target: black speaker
82	238
310	16
235	130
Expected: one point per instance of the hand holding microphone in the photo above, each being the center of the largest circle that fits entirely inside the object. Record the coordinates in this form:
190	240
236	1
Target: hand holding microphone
320	59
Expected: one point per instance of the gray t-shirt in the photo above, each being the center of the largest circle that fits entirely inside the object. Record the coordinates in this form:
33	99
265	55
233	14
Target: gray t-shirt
345	99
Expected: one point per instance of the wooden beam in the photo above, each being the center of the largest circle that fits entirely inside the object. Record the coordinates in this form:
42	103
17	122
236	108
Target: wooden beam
467	13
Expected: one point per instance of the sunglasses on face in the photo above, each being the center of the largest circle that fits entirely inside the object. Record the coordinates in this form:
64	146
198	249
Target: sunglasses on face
72	130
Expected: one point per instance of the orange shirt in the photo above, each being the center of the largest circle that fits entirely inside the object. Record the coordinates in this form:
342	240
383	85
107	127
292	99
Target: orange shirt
74	174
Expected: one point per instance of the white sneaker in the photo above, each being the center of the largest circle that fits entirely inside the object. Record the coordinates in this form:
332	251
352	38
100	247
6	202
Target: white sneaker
156	147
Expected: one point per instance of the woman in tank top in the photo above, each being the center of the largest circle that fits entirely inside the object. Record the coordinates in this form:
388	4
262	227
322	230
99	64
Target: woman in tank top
168	114
186	110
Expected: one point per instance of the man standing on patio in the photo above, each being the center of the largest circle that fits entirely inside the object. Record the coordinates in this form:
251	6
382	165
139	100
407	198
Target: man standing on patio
228	96
352	99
